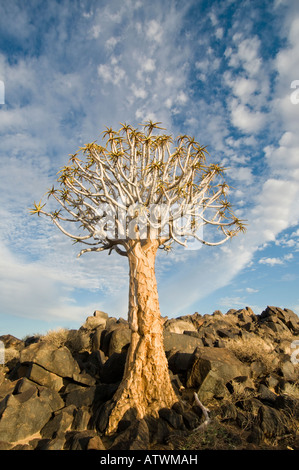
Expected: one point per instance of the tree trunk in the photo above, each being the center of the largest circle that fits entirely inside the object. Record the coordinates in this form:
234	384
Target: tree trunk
146	385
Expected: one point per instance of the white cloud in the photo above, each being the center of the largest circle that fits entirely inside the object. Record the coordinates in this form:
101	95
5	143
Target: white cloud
149	65
139	92
247	55
276	261
213	18
232	302
271	261
241	174
250	290
111	74
154	31
182	98
284	159
147	78
243	88
288	257
111	43
219	33
275	209
95	31
245	119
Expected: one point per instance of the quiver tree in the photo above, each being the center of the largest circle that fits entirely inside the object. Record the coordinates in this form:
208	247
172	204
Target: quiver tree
138	193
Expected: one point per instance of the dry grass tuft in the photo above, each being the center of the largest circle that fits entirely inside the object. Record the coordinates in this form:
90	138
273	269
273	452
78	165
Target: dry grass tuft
56	338
216	436
251	349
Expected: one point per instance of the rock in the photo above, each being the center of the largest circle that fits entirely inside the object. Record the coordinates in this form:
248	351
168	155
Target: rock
22	447
220	361
209	340
95	443
59	423
100	314
82	419
217	313
11	341
51	444
96	339
63	395
178	326
123	338
286	317
172	417
135	437
94	322
266	396
219	343
284	347
258	369
105	391
181	342
272	382
277	326
228	412
180	362
288	371
84	378
79	440
7	387
51	397
288	404
190	419
159	430
41	376
120	339
79	341
24	414
272	422
5	445
80	396
227	332
252	405
113	369
2	376
255	436
59	361
245	316
103	415
241	385
212	386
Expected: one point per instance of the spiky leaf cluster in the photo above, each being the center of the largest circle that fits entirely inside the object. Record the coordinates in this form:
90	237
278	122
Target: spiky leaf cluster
138	178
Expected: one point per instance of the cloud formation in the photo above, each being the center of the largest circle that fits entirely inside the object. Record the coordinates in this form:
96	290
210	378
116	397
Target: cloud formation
201	68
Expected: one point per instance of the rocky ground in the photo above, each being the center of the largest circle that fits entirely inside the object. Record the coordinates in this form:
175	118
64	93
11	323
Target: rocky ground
56	390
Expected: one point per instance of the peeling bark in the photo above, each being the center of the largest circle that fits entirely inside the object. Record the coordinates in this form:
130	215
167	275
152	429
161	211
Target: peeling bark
146	385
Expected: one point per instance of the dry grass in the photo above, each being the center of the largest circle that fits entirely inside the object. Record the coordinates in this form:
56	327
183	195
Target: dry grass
56	338
216	436
72	339
251	349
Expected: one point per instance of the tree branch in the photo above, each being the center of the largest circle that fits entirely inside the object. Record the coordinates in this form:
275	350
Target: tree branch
205	411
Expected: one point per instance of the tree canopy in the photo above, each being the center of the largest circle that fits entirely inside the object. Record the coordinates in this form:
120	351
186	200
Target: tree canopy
141	184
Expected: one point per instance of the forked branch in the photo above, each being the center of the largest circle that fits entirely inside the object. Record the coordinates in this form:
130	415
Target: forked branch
113	192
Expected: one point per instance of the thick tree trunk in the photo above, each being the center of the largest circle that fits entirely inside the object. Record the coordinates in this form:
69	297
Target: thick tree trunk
146	385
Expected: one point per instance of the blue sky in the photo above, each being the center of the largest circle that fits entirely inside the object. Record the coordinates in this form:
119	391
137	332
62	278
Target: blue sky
221	71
